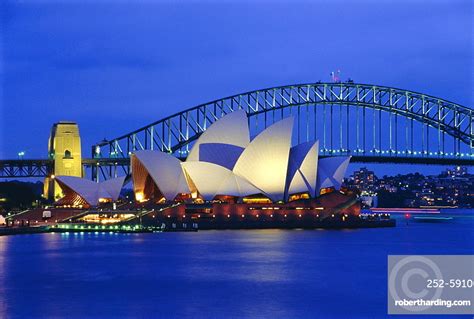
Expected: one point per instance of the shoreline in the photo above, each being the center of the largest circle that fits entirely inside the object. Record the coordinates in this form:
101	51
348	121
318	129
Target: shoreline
74	228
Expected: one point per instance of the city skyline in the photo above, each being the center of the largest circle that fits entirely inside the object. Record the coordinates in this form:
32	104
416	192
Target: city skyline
451	187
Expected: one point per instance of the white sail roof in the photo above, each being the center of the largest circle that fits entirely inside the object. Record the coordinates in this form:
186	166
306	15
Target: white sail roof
331	171
112	187
302	168
165	170
207	177
212	179
219	153
85	188
91	191
231	129
298	184
237	186
264	162
224	162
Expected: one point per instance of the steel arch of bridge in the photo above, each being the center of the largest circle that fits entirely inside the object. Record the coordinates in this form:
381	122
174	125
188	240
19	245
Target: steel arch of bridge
351	101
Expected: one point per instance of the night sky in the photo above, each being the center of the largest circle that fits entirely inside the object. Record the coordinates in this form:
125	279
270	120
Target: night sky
116	66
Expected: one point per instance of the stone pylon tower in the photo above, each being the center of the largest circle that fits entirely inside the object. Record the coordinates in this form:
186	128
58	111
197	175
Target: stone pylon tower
64	147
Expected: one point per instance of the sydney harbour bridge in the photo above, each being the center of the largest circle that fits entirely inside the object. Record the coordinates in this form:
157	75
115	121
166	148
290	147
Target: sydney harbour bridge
372	123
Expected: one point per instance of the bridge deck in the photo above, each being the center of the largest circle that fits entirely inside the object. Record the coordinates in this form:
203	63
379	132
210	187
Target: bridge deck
44	167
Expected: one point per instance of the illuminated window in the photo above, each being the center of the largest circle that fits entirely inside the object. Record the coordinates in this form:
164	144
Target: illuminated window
255	200
298	196
326	190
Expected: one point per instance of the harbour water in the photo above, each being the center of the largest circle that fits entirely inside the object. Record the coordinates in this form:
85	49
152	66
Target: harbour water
235	273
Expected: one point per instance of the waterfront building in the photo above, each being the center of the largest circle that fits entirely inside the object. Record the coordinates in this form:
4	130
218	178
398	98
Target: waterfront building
452	187
228	180
364	180
224	162
457	171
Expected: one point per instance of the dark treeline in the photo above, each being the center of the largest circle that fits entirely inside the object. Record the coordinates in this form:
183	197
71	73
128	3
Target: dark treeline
20	195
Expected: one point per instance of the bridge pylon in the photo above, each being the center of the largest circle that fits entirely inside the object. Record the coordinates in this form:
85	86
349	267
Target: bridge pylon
64	148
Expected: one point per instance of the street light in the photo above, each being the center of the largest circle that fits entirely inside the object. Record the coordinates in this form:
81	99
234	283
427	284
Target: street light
21	154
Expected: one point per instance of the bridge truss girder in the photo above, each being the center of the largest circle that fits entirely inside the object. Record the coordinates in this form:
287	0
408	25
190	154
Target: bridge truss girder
25	168
174	133
367	121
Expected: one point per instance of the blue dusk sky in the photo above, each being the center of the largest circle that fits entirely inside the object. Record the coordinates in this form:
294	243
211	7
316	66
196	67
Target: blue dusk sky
114	66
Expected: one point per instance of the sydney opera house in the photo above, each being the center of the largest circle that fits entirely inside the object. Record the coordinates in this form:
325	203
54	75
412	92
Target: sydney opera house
227	174
225	163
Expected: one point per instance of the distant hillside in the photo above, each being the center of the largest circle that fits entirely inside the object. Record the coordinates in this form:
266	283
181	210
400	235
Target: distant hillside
16	194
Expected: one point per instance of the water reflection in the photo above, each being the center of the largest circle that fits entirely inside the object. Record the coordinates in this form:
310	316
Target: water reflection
258	256
3	256
252	273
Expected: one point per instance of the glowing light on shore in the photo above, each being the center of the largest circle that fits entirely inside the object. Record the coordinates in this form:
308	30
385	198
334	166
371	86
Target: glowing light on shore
140	197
